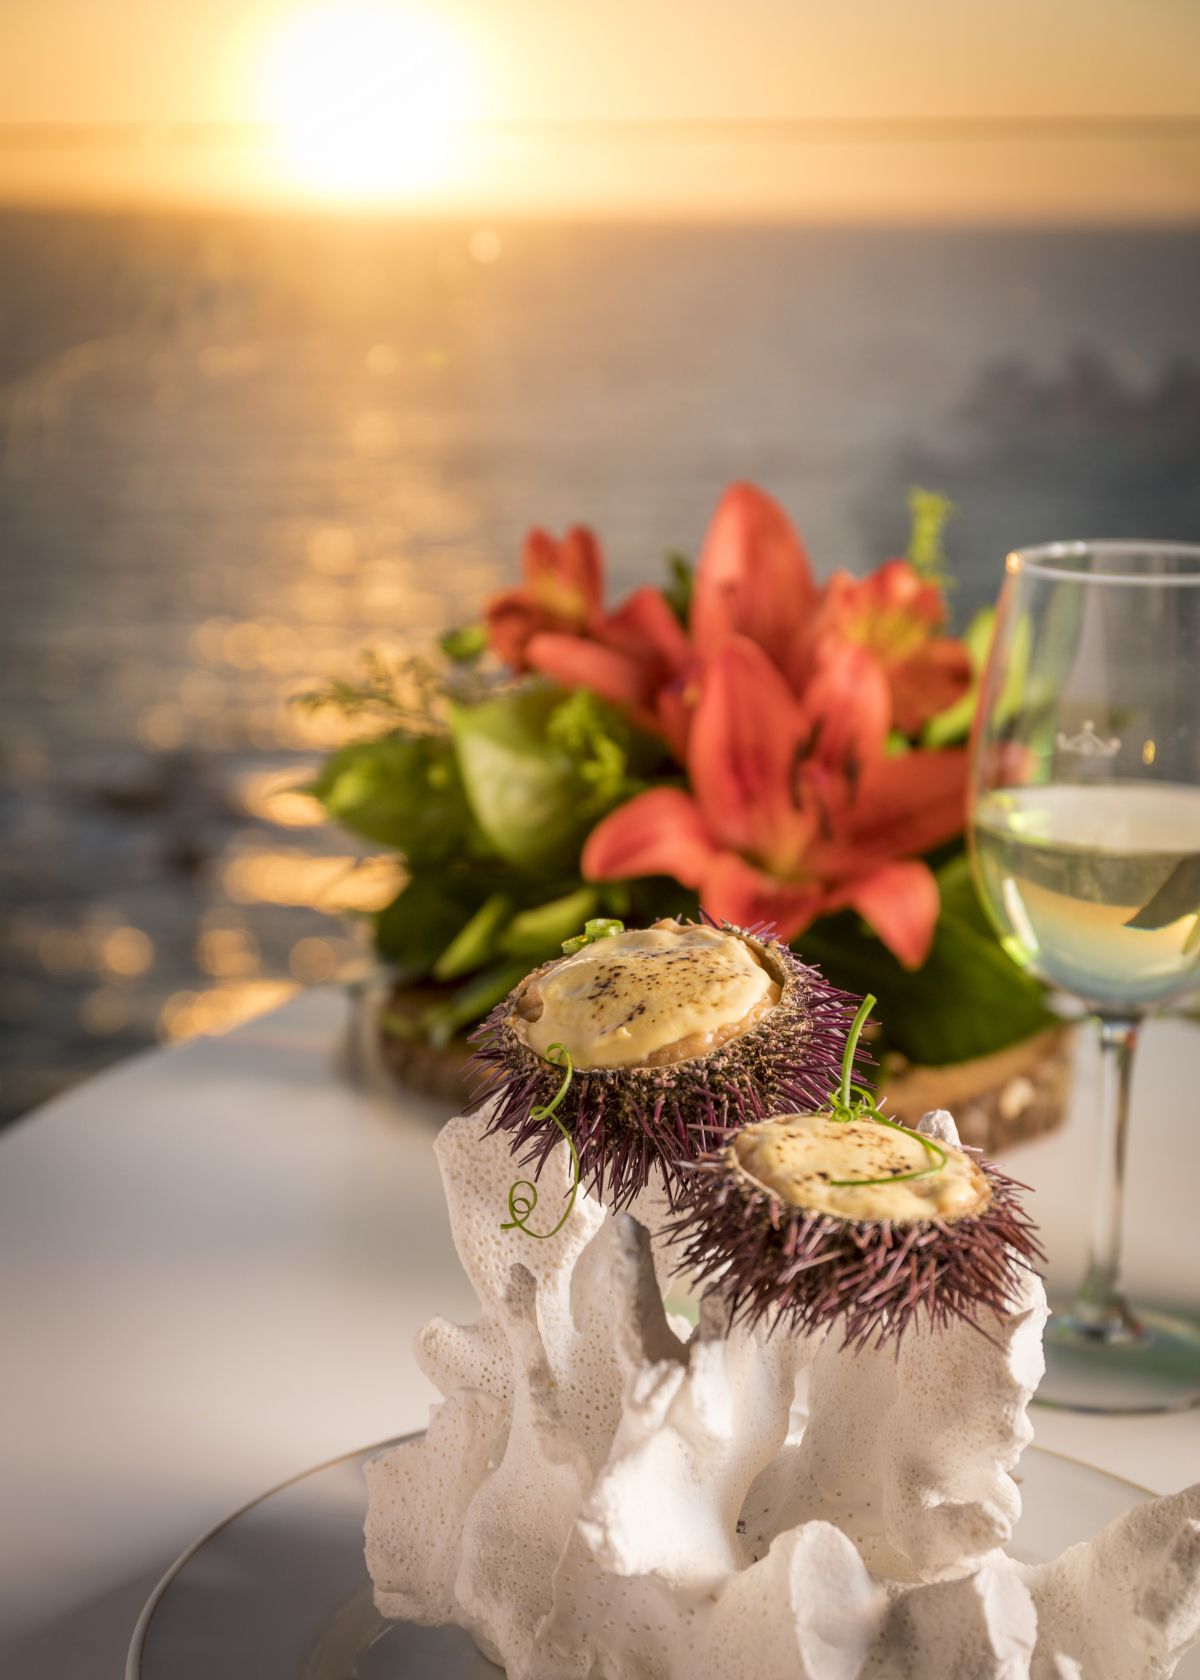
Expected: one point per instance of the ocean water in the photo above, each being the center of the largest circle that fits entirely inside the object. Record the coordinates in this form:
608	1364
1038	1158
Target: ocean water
233	451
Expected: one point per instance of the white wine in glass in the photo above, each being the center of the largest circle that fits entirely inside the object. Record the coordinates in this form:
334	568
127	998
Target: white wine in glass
1096	888
1085	837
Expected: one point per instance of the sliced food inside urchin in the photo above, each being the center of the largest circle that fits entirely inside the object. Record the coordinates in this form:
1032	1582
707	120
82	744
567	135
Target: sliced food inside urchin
676	1034
810	1221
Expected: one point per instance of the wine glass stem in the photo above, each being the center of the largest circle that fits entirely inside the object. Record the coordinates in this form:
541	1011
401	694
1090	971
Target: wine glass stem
1101	1307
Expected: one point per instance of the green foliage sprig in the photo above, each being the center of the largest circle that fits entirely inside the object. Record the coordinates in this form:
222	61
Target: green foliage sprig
930	513
679	590
404	691
594	929
522	1194
854	1102
599	743
466	644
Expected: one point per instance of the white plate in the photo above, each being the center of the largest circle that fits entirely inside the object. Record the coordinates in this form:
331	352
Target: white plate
279	1590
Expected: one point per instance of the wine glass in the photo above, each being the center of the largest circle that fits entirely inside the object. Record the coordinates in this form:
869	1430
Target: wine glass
1084	827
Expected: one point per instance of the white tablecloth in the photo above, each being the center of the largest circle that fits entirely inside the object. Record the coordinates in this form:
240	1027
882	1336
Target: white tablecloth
213	1261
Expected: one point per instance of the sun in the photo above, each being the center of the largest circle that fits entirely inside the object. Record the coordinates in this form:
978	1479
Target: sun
367	100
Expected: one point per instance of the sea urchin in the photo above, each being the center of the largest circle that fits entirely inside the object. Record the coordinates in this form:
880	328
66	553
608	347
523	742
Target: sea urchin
844	1216
876	1275
676	1034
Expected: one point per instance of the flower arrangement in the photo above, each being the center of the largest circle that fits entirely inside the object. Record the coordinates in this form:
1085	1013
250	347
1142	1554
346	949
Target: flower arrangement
743	739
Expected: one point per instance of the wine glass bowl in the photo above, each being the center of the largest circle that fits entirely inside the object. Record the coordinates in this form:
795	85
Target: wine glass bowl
1096	886
1084	829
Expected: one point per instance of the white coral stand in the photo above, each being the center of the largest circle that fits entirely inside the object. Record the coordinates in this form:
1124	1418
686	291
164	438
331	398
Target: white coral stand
213	1263
598	1497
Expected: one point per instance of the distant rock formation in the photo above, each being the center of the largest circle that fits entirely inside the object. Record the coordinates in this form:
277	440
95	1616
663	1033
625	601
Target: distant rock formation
1034	456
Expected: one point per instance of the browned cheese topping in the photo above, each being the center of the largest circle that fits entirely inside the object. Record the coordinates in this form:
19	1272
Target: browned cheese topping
647	996
800	1156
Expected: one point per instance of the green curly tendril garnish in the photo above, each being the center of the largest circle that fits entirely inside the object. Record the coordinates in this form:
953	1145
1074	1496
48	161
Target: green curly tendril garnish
595	928
855	1102
523	1196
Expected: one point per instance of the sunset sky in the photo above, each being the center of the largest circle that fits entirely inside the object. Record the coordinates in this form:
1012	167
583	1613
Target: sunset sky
994	108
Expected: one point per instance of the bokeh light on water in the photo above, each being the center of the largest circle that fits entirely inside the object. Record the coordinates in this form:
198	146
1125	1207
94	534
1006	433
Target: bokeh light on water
217	483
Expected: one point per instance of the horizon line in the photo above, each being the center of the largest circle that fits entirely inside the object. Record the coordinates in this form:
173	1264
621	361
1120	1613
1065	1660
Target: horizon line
140	133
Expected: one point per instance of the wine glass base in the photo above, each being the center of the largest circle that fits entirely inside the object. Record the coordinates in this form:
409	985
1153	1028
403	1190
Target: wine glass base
1155	1368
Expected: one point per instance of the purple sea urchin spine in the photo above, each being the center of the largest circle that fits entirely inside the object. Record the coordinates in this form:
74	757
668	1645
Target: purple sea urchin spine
626	1122
812	1270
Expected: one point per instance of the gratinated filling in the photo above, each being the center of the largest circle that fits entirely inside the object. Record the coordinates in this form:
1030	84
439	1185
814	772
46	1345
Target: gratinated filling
800	1157
647	997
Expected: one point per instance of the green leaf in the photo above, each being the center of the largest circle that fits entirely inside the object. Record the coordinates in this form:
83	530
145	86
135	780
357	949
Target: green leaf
523	796
952	726
534	792
539	933
466	644
967	1000
475	942
401	791
413	931
959	894
471	1002
679	591
598	740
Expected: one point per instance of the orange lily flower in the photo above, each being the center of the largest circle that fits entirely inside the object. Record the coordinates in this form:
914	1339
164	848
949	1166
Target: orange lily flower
562	591
555	624
896	614
635	658
795	809
753	579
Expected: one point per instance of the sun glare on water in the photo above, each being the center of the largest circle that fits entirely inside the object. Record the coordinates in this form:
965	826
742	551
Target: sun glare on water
368	100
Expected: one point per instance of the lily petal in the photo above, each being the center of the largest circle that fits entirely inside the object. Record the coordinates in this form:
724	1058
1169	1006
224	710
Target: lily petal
929	682
909	803
564	582
735	891
753	578
512	618
575	662
673	717
644	625
897	589
741	750
896	614
660	832
901	902
619	678
846	708
566	577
